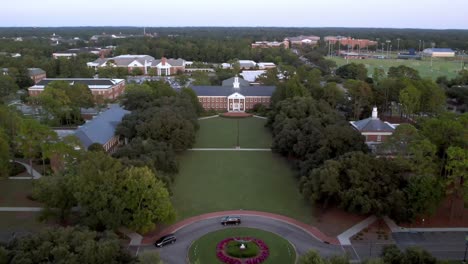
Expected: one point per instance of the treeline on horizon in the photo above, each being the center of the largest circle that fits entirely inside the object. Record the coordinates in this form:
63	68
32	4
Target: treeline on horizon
409	38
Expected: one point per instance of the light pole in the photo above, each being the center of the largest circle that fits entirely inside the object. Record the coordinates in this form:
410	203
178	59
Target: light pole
419	46
388	47
466	248
398	45
383	44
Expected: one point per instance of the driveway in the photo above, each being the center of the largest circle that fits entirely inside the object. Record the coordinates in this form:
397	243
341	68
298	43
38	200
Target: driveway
302	241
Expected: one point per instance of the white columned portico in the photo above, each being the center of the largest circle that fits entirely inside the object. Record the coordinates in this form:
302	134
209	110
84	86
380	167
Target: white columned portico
236	103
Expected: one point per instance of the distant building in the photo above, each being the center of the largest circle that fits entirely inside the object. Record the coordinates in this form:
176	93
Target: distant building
350	42
100	88
439	53
163	66
270	44
250	65
266	65
101	129
375	130
238	97
36	74
70	53
251	76
303	40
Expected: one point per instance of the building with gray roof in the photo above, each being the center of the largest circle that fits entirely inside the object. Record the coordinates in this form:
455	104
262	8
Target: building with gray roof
161	66
101	129
375	130
233	98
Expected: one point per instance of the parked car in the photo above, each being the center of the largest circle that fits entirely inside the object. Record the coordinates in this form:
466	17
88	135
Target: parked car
230	220
164	240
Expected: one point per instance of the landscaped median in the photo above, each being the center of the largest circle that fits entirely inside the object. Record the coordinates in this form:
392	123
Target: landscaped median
221	247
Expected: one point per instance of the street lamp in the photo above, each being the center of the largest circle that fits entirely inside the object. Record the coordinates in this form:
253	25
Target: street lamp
419	46
398	46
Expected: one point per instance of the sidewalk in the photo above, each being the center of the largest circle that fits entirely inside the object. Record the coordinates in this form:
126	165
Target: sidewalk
399	229
230	149
313	231
35	174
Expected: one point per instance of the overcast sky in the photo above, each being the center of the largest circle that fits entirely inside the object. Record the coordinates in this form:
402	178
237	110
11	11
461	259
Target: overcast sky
438	14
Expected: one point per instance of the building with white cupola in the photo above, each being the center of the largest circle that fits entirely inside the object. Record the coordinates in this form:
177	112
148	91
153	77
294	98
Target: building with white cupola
373	129
235	95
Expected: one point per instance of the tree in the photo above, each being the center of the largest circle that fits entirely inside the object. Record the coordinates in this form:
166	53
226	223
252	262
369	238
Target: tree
270	77
69	245
311	257
393	255
137	71
110	195
333	95
4	155
96	147
57	194
32	138
193	98
361	96
146	200
457	168
378	75
352	71
57	104
403	72
410	98
7	86
201	78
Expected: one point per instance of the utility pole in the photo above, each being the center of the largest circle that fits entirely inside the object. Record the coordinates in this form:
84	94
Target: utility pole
398	46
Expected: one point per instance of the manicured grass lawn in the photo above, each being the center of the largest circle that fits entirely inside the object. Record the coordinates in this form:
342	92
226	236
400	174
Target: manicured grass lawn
440	67
212	181
13	193
204	249
222	133
20	221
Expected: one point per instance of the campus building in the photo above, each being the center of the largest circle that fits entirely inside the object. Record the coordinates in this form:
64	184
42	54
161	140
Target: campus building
100	88
350	42
439	53
145	63
36	74
303	40
375	130
70	53
101	129
270	44
235	95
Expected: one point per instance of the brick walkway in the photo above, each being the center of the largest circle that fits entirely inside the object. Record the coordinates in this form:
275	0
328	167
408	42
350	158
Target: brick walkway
152	236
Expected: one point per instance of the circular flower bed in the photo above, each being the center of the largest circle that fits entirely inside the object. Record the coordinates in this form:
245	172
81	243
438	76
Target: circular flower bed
226	253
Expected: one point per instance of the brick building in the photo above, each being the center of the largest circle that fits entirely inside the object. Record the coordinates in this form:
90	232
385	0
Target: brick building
36	74
235	95
350	42
145	63
303	40
100	88
375	130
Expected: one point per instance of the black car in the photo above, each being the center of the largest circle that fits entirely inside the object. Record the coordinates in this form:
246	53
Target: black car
164	240
230	220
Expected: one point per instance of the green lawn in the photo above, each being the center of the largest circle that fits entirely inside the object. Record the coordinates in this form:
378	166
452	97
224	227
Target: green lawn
20	221
440	67
212	181
222	133
204	249
13	193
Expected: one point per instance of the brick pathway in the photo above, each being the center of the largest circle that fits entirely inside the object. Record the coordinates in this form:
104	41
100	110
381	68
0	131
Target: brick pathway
152	236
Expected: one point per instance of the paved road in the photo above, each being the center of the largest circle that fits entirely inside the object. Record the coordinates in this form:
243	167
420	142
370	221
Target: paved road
443	245
303	241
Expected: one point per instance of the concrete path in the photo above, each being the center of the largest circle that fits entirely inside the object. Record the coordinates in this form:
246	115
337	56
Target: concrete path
229	149
399	229
135	238
35	174
344	237
261	117
20	209
208	117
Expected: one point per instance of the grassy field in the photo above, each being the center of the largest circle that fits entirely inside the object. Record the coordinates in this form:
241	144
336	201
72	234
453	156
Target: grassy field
13	193
211	181
204	249
222	133
440	67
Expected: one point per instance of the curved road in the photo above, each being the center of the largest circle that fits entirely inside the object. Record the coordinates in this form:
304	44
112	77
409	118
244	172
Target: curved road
302	241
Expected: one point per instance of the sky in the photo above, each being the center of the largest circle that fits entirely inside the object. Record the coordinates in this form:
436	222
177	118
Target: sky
435	14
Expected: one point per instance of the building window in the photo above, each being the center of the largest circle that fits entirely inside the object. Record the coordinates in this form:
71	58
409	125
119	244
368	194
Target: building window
379	138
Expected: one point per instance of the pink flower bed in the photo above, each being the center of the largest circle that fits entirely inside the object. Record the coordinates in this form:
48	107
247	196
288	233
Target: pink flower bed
261	257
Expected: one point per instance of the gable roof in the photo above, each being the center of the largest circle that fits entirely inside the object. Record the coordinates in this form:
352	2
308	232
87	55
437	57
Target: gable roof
35	71
372	125
230	82
173	62
90	82
228	90
101	129
125	60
